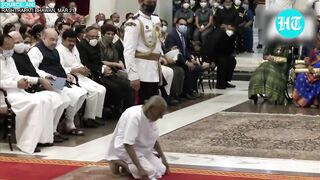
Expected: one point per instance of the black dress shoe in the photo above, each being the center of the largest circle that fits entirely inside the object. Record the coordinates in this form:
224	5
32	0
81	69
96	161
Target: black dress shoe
230	85
220	87
99	122
259	46
57	139
61	136
189	97
44	144
254	98
171	101
37	150
89	123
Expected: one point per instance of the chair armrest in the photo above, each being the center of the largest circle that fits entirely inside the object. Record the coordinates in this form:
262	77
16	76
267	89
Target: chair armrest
6	101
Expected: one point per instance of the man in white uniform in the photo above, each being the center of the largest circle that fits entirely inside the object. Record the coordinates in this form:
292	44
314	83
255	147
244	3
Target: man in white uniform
135	141
142	49
34	112
71	62
45	58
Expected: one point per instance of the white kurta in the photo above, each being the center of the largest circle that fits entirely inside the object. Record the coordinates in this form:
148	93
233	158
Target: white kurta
50	19
134	128
168	76
145	70
75	95
35	113
96	92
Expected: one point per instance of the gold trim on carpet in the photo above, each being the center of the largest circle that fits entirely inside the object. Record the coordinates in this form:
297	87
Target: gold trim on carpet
240	174
52	162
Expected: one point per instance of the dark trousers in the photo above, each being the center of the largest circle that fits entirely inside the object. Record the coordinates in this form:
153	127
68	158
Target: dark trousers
119	92
191	79
178	80
225	69
248	39
147	90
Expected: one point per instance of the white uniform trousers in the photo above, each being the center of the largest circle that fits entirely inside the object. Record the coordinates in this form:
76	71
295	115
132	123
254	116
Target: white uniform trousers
150	163
95	98
77	97
34	118
168	75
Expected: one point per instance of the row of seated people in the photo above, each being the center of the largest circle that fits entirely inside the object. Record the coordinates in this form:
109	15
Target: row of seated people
213	14
271	78
40	110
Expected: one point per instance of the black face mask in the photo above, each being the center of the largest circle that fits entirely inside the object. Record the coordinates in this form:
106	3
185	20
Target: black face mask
148	8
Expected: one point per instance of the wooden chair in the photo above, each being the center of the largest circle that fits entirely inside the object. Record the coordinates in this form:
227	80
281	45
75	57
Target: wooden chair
8	117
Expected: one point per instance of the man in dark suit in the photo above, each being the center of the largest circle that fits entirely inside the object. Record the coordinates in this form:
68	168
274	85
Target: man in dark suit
177	39
219	48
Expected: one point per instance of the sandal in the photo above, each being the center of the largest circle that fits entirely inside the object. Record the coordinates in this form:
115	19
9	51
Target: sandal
75	132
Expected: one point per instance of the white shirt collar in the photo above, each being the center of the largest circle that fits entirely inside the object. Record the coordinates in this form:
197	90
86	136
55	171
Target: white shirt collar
144	15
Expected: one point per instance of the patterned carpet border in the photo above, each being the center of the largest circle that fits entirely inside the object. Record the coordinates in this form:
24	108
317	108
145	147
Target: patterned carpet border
240	174
276	114
51	162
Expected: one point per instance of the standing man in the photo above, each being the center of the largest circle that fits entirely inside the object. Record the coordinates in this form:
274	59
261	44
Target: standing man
142	48
135	141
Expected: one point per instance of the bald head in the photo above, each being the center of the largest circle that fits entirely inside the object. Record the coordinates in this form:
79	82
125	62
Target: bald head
50	37
155	108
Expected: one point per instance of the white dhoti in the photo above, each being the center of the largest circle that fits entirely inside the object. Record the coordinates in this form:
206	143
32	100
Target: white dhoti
95	99
77	97
34	118
150	163
168	76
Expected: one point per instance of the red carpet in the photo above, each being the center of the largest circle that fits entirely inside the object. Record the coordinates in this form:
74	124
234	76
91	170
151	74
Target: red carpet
12	168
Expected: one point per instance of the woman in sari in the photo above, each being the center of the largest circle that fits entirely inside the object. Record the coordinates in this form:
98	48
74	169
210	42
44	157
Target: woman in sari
270	77
307	85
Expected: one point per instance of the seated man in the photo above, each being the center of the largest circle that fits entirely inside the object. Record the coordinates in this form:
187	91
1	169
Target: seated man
219	49
119	92
177	39
70	60
34	112
25	68
135	141
45	58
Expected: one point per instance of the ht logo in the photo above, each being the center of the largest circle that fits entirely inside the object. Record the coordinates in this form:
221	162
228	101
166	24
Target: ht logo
290	23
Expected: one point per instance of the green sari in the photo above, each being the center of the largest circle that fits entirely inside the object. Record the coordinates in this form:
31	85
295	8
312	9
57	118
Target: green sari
270	78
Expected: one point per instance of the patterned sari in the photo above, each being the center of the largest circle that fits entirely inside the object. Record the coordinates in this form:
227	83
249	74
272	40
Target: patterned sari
307	85
270	77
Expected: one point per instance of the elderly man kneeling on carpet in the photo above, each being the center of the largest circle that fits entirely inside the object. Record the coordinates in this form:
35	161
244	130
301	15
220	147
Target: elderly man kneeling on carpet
135	141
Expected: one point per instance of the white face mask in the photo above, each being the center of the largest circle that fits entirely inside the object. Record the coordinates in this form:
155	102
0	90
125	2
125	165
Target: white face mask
93	42
245	6
215	4
164	28
27	47
7	53
100	23
203	4
237	2
229	33
51	5
19	48
192	3
116	24
228	7
186	5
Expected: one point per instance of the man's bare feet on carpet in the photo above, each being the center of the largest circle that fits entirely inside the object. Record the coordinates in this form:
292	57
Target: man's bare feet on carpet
119	167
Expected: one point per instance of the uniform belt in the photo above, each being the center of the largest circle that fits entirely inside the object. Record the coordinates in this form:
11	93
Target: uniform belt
151	57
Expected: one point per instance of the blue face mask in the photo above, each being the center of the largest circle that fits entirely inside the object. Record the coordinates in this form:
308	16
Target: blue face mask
183	29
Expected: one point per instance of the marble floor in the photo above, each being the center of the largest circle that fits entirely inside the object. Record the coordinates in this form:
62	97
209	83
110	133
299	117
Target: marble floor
232	100
93	146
